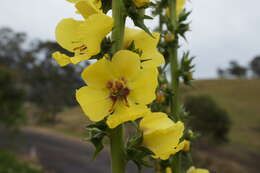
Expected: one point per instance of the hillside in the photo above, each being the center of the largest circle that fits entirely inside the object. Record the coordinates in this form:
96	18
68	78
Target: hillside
241	99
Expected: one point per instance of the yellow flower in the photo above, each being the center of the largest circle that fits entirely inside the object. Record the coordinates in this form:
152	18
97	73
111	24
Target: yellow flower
83	38
179	7
161	135
140	3
118	89
147	44
197	170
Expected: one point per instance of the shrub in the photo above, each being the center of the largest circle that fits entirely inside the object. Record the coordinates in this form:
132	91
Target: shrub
11	101
9	164
208	118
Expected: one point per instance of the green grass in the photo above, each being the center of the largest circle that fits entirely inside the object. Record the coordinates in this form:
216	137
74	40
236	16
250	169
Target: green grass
241	99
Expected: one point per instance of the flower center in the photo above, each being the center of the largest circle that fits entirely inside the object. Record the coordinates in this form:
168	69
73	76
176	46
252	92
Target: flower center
118	91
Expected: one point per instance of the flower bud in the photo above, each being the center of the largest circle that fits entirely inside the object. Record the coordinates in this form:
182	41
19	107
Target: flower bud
160	97
186	146
164	87
169	37
140	3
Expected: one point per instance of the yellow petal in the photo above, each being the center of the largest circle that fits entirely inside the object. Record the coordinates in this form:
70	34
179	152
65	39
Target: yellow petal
126	64
146	44
67	34
197	170
64	60
78	58
123	114
93	30
143	87
97	3
98	74
73	1
61	59
88	7
141	39
154	59
180	6
172	151
161	135
95	103
155	121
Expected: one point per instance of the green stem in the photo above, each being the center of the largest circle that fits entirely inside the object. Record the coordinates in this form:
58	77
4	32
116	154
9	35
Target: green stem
117	150
175	105
176	163
175	101
118	10
118	161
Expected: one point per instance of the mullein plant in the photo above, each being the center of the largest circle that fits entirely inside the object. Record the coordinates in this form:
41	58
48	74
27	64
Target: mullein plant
127	84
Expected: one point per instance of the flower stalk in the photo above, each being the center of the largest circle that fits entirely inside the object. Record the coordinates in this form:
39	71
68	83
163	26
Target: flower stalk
119	16
118	161
117	150
174	64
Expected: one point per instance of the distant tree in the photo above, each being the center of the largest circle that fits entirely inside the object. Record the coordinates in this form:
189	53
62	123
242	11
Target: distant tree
221	73
47	85
11	47
11	101
208	118
51	88
255	66
237	70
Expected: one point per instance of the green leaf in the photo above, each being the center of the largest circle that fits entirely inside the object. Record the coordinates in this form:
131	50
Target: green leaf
187	68
136	152
137	15
97	132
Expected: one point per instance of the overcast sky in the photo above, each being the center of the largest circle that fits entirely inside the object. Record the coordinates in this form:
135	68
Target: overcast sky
222	30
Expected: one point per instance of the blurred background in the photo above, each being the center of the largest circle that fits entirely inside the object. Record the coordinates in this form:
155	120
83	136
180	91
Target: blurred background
42	128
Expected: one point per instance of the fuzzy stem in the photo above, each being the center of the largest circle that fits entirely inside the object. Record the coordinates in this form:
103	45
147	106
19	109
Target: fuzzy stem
118	160
175	105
